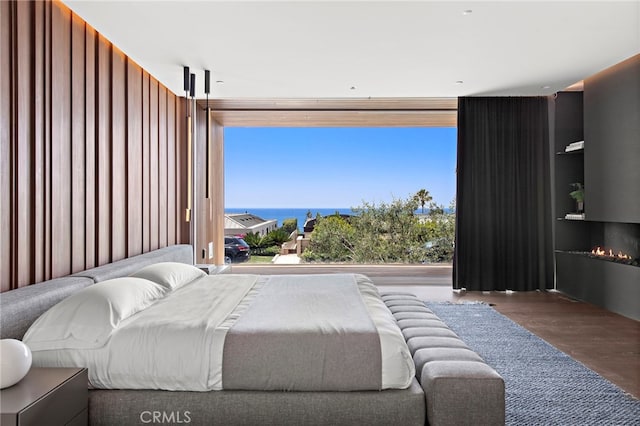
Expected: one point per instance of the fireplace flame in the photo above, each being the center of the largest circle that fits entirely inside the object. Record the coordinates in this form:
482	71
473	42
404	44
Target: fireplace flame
610	253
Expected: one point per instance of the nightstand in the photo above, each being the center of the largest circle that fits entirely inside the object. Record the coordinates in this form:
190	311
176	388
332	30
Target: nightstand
52	396
213	269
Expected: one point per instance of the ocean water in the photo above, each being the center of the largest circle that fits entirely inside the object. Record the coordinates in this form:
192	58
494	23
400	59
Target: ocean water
282	213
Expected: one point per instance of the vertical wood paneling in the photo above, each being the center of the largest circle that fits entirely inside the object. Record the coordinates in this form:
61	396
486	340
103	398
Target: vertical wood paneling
118	157
78	178
171	169
90	209
5	144
38	258
103	150
24	244
217	201
162	165
153	166
61	139
92	154
201	205
181	184
146	165
46	160
134	156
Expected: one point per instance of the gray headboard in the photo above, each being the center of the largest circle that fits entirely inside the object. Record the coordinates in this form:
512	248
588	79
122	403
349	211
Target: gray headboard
21	307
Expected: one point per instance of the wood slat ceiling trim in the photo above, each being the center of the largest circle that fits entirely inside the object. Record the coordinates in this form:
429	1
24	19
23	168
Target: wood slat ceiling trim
288	118
355	104
370	112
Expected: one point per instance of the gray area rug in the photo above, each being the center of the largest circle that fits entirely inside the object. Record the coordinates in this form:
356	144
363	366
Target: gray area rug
544	386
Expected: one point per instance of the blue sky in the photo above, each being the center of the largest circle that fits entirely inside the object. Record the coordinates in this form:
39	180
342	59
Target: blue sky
336	167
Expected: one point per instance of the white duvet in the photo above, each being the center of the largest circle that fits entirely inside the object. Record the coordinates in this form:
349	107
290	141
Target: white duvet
177	342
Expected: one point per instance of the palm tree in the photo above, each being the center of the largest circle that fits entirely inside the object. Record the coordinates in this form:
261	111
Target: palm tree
422	197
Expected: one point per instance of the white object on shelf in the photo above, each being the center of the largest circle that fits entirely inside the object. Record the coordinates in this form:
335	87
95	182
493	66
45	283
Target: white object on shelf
574	146
15	362
574	216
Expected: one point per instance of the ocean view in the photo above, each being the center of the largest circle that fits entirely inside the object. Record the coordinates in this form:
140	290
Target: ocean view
280	214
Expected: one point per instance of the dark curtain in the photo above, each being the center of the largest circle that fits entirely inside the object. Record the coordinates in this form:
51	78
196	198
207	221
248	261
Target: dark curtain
503	220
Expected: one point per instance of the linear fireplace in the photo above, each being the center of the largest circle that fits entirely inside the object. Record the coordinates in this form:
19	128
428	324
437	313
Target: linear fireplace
620	244
605	271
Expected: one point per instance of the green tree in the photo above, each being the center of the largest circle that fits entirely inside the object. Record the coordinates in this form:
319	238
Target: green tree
331	240
388	232
422	197
289	225
277	237
256	242
385	233
438	233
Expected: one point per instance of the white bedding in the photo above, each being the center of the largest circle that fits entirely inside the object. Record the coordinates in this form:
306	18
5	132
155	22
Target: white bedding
154	350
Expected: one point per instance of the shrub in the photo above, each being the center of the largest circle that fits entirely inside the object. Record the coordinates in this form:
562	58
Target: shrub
289	225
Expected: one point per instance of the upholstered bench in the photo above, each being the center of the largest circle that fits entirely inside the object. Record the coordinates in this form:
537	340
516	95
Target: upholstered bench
460	388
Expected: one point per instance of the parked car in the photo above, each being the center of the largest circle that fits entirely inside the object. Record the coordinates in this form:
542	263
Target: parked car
236	249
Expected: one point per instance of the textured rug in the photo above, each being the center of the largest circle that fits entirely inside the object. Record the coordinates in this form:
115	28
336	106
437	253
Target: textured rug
544	386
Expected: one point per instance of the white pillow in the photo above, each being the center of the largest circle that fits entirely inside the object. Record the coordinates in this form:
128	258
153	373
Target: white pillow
87	318
171	275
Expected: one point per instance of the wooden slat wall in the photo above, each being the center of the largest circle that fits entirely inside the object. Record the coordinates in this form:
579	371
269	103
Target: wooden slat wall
92	151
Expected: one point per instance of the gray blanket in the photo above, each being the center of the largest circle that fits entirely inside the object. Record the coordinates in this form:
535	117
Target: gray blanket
304	333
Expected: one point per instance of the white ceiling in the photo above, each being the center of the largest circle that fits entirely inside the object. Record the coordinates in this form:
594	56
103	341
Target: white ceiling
320	49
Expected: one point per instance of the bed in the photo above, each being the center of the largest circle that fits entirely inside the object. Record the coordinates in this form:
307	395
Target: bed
329	380
451	386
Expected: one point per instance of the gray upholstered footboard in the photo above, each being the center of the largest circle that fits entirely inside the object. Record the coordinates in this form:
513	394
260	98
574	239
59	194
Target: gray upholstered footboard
372	408
460	388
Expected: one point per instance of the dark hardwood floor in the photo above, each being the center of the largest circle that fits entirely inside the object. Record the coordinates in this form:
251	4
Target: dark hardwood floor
606	342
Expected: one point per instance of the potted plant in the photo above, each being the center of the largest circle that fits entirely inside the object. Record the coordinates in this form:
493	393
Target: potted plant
578	195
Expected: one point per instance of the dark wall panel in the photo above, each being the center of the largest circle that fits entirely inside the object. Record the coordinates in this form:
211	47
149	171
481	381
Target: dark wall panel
90	156
612	143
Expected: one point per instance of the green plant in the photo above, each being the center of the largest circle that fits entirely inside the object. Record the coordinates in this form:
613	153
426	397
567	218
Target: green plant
422	197
289	225
578	193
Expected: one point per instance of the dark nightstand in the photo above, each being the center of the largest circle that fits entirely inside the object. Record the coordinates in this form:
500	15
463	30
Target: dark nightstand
52	396
213	269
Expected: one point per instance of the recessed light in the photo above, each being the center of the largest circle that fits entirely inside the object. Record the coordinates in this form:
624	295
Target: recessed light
459	82
546	87
352	88
467	12
219	81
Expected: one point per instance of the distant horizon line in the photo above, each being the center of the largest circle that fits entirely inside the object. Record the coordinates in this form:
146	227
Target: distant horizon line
310	208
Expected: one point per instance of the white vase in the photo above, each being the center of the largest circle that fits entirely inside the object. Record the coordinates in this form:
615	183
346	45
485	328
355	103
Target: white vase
15	362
